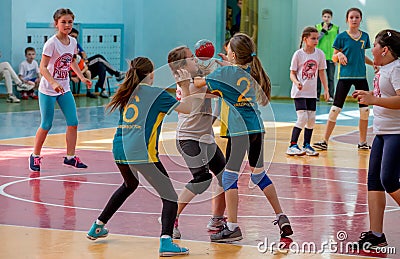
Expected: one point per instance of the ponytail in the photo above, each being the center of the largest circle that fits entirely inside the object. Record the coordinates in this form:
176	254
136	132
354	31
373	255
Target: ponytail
140	67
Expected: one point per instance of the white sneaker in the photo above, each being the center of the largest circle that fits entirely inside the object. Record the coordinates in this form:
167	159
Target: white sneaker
13	99
294	150
309	150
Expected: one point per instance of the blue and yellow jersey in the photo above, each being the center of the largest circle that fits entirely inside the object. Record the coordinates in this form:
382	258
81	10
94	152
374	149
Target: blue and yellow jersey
239	109
139	126
354	49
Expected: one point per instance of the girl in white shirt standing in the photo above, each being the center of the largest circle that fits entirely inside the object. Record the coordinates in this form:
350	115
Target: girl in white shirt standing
57	59
384	163
307	63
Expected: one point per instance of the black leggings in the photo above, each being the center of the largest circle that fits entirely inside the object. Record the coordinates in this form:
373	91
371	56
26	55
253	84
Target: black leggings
98	66
237	147
343	87
201	158
158	178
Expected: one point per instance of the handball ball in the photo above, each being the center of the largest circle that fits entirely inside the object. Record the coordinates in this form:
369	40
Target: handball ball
204	49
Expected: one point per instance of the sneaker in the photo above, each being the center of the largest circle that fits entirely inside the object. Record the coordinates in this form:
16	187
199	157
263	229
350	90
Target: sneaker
330	100
13	99
34	163
24	87
176	234
284	226
33	96
120	77
321	145
24	96
74	162
91	95
363	146
368	241
169	248
225	235
97	231
309	150
216	223
294	150
104	94
317	99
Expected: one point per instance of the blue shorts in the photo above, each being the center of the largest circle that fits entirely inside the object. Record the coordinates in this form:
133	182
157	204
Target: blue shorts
384	164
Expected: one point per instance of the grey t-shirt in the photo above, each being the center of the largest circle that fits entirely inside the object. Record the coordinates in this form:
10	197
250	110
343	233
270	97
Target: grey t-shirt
198	124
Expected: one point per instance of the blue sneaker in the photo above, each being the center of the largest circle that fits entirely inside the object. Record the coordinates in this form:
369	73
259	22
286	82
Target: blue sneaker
34	163
169	248
74	162
97	231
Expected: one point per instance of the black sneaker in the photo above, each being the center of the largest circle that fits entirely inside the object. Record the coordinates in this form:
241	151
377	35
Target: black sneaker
321	145
120	76
34	163
284	226
91	95
368	241
226	236
363	146
74	162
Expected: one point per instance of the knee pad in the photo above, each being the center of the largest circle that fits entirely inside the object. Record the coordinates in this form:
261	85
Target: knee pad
311	119
199	183
334	113
261	179
229	180
301	119
364	113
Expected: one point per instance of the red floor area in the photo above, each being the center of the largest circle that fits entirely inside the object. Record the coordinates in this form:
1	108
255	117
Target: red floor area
320	201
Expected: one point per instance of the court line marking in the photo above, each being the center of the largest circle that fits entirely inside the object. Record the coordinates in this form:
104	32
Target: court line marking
184	240
2	192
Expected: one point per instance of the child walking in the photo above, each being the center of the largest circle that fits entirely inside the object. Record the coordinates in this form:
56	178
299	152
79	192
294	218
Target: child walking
383	170
349	52
135	147
57	59
307	63
195	142
241	84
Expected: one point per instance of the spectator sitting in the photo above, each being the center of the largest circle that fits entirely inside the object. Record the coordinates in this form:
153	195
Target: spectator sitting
8	74
98	66
29	74
85	71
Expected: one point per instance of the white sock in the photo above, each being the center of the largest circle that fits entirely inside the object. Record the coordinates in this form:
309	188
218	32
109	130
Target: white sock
232	226
165	236
70	157
99	222
34	155
278	215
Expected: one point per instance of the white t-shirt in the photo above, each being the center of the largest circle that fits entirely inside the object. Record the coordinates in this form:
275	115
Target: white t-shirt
307	67
28	70
386	82
61	57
